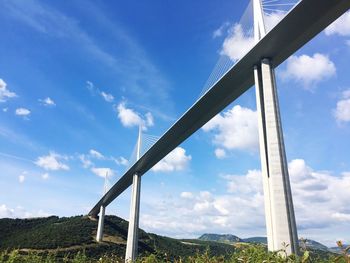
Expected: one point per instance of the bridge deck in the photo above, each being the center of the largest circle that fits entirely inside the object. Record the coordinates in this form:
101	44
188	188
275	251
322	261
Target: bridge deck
300	25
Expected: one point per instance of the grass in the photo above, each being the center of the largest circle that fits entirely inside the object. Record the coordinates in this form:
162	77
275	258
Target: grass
246	254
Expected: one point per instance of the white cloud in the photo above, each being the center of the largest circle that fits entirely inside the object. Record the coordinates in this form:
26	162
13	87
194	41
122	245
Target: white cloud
128	117
273	18
47	102
341	217
340	27
90	86
107	97
45	176
176	160
85	161
309	70
131	118
327	194
220	31
186	195
6	212
236	128
248	184
237	44
95	154
4	92
320	199
21	178
20	212
22	112
121	161
52	162
5	109
220	153
149	119
103	172
342	112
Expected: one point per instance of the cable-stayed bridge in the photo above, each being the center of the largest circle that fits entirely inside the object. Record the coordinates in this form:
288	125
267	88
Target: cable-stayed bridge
231	77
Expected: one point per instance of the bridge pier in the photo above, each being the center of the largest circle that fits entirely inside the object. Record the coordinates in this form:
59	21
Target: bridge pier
133	230
99	235
279	211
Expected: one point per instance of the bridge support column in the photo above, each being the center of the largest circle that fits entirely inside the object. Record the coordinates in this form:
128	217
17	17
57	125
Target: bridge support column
101	220
133	237
133	230
279	211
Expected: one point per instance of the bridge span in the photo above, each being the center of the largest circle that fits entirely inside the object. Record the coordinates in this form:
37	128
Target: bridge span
300	25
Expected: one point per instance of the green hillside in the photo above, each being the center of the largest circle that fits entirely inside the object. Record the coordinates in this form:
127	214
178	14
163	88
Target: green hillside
72	234
226	238
72	239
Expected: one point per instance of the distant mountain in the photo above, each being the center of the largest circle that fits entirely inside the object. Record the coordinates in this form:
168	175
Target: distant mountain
226	238
311	244
71	234
339	250
262	240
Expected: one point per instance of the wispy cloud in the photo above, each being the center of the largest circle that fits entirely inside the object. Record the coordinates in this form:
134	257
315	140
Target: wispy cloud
309	70
85	160
22	112
93	89
132	66
342	111
96	154
107	97
52	162
22	177
5	93
103	171
47	102
121	161
45	176
221	30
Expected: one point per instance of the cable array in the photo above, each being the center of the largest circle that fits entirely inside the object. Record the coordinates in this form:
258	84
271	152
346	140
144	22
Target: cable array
147	142
275	10
244	30
133	157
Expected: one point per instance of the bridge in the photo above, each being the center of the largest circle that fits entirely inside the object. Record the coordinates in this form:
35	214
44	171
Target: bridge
303	22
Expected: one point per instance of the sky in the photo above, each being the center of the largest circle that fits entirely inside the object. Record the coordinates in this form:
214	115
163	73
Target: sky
77	78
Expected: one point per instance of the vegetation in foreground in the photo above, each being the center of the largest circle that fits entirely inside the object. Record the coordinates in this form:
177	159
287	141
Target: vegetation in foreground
246	253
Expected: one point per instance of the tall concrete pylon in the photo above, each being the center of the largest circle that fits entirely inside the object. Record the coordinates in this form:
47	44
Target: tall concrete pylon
133	237
101	219
279	210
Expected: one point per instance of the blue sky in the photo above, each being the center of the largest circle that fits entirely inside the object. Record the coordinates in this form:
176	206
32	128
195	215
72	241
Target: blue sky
78	77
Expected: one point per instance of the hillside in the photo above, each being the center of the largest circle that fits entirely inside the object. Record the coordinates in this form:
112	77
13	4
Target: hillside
231	239
226	238
71	234
66	236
